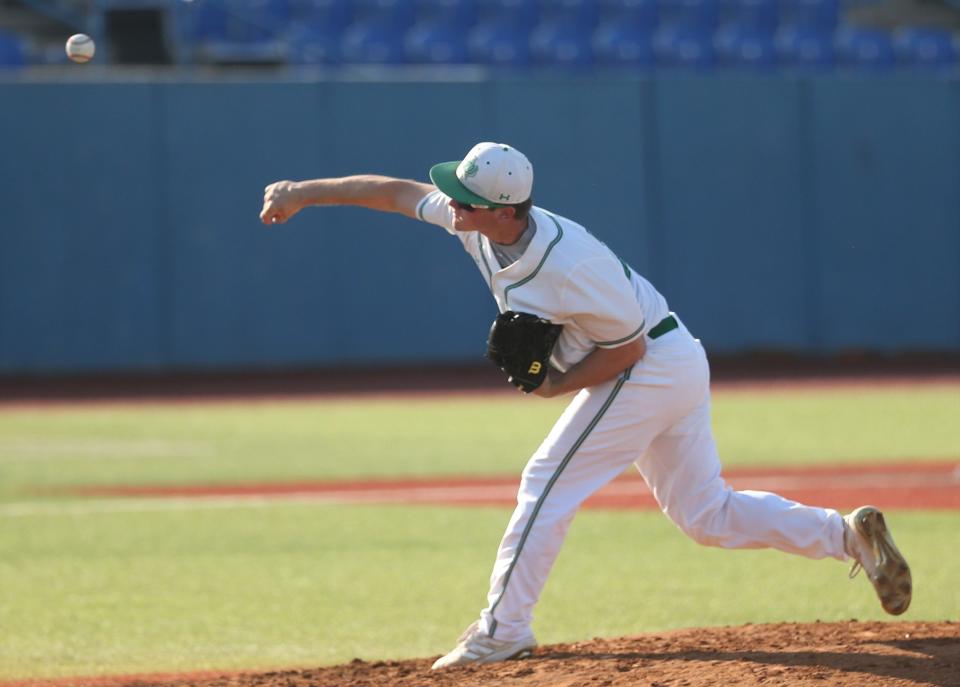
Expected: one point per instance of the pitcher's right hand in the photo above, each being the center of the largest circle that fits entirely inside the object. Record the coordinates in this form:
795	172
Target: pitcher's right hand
281	201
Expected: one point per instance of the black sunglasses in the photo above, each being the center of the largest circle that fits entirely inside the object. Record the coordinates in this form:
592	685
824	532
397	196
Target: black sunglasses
470	207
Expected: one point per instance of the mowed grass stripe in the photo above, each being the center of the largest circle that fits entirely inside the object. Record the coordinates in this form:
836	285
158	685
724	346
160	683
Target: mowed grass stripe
410	437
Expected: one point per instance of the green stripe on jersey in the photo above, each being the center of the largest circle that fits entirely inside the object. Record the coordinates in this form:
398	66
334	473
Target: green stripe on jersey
542	260
483	256
626	338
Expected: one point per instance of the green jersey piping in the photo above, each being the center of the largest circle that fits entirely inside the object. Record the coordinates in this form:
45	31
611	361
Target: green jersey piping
419	210
620	341
483	255
546	253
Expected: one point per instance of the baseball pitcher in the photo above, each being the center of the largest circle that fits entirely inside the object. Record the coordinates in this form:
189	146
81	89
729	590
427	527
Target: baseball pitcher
574	318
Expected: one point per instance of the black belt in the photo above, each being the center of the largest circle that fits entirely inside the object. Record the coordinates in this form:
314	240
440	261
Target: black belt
667	324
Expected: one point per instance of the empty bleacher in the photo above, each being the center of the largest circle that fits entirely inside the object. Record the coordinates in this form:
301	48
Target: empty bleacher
698	35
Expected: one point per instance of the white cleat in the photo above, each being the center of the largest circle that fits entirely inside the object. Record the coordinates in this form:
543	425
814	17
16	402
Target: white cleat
868	541
475	646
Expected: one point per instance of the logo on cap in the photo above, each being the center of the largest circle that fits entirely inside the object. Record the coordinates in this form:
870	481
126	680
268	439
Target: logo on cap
471	169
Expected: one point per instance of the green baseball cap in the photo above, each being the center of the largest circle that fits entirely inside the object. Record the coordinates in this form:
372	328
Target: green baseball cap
491	175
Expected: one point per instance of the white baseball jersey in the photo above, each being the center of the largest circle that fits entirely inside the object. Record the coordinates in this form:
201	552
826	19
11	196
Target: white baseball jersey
566	276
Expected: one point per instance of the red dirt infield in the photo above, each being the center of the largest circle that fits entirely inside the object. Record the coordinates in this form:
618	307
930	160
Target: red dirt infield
932	485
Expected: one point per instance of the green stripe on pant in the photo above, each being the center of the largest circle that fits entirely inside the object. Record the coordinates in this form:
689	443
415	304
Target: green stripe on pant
546	490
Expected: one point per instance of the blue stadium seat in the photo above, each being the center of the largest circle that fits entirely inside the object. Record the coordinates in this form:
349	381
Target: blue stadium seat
13	50
641	14
184	25
622	44
313	45
925	48
521	14
582	13
502	45
231	21
323	15
374	42
258	20
691	15
805	47
865	49
562	44
435	42
400	14
461	13
204	20
820	14
232	31
683	47
745	46
762	15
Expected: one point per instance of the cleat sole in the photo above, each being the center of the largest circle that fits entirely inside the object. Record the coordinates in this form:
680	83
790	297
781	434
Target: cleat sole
892	580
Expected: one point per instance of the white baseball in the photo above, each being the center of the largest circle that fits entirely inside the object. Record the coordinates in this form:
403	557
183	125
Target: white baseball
80	47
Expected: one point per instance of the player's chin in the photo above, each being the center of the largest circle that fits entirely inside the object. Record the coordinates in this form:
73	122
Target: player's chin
460	224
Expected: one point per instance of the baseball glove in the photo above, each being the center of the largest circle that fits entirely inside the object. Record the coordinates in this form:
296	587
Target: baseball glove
520	344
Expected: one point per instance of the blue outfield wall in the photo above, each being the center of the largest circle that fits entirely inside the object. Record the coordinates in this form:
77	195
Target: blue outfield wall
805	214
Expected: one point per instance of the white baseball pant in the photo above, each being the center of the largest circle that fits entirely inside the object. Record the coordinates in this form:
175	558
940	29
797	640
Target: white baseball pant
657	417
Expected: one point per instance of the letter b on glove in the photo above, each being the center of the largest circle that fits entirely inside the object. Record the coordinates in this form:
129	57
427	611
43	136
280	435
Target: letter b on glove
520	344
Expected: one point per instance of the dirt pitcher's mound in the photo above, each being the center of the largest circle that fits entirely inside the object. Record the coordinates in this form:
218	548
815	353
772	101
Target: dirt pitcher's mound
822	654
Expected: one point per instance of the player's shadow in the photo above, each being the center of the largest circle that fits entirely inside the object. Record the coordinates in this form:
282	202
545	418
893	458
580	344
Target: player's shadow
933	661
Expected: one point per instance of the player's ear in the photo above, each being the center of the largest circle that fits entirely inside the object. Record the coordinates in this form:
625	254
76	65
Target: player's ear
506	213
